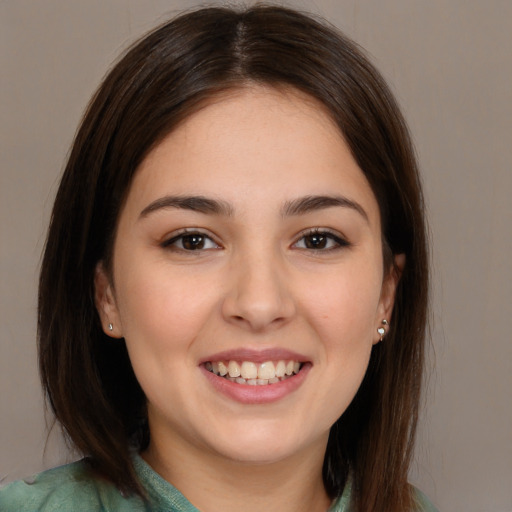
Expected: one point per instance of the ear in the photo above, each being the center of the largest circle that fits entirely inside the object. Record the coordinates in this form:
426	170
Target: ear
104	299
387	295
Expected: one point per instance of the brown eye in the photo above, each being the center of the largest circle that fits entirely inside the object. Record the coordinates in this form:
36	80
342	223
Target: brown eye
193	242
190	242
316	241
321	241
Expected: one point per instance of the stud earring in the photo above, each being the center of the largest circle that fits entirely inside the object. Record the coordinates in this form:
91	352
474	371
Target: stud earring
110	327
382	330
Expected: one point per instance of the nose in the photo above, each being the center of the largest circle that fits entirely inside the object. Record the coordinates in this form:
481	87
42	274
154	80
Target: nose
259	296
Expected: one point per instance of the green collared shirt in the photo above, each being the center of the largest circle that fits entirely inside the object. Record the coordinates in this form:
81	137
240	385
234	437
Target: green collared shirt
71	488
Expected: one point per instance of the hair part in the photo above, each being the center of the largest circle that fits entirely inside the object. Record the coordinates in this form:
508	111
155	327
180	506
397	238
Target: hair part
163	79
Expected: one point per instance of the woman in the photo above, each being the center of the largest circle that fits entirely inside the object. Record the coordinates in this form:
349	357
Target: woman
233	294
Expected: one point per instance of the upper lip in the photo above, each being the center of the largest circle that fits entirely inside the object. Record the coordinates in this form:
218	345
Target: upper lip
256	356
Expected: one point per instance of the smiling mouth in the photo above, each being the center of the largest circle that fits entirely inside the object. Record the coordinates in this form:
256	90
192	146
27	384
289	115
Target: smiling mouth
254	374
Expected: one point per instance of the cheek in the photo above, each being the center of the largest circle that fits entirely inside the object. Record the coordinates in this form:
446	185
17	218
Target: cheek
162	316
344	307
341	311
161	312
343	322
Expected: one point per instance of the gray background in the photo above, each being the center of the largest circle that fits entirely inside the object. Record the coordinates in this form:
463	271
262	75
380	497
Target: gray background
449	63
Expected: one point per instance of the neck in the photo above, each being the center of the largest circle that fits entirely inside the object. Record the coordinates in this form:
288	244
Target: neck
212	483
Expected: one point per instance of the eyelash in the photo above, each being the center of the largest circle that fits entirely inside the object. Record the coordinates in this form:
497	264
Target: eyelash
323	234
182	235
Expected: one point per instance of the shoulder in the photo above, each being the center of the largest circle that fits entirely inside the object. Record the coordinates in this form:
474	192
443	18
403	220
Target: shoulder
423	504
69	487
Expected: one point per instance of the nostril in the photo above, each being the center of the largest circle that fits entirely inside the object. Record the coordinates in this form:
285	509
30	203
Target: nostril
256	308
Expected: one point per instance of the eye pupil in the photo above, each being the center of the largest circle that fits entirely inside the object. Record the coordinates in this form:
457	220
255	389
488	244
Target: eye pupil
316	241
193	242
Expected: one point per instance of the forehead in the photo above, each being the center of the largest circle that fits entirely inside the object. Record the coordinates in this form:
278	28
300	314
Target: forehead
253	143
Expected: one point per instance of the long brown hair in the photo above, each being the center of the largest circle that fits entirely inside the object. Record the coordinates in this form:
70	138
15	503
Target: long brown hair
160	81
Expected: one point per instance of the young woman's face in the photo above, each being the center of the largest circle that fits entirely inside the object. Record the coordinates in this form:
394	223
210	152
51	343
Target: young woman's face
249	243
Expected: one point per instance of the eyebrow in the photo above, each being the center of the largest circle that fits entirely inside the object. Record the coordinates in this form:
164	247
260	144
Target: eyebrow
299	206
309	204
199	204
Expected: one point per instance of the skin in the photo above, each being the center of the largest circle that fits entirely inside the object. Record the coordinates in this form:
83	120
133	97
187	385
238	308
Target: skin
255	284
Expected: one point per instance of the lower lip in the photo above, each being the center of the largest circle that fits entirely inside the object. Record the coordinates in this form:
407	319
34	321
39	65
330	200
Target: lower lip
247	394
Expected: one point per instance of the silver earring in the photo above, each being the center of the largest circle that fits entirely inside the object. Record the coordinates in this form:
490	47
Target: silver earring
382	330
110	327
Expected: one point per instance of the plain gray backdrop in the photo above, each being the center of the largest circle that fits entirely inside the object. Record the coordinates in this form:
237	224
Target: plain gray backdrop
450	65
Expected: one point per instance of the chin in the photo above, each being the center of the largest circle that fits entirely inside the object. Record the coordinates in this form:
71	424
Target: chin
261	444
258	455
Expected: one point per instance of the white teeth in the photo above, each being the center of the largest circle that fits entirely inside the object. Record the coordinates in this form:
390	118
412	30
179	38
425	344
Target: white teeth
280	369
254	374
233	369
222	369
248	370
266	370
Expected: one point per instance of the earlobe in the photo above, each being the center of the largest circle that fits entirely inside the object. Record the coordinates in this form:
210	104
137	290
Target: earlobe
105	303
387	297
